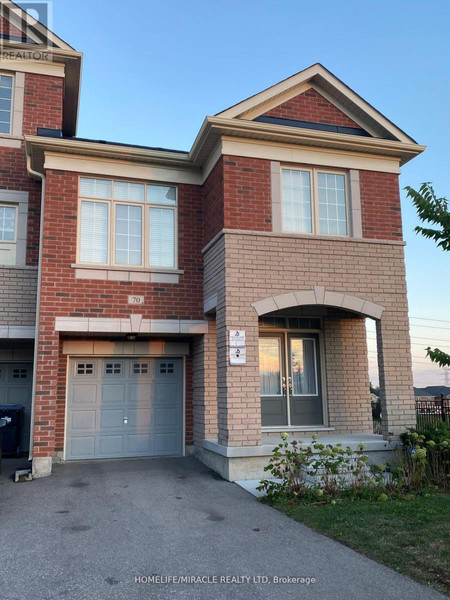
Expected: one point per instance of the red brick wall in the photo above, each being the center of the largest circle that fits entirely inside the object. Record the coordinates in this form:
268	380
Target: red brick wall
13	176
63	295
43	105
311	106
213	202
6	28
42	108
237	196
247	193
380	205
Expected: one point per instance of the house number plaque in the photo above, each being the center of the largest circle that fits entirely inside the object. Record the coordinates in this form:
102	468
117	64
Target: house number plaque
136	300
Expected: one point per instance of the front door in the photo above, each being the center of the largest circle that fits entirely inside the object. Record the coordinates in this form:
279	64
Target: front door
291	392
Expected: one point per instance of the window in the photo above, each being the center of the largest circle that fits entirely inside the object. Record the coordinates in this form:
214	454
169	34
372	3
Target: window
314	201
127	224
113	368
8	218
85	369
20	373
6	89
166	368
140	368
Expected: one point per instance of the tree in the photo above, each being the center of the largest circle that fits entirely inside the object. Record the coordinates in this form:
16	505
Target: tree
433	211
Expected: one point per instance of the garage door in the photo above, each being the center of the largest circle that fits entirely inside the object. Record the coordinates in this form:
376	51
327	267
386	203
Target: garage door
124	408
15	388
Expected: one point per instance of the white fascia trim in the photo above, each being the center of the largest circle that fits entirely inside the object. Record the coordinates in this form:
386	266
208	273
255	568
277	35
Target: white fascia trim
267	94
310	155
29	66
119	168
134	324
24	332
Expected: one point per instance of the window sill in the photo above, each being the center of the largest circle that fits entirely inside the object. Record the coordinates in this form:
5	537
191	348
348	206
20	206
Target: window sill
19	267
133	274
10	140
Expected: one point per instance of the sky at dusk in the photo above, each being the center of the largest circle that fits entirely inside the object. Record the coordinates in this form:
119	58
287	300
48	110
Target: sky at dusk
153	70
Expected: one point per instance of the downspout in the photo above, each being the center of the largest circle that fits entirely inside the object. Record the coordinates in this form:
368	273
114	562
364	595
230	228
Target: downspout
40	176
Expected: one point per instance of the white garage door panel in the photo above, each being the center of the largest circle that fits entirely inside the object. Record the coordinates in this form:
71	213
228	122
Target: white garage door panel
164	442
83	420
83	447
84	394
131	407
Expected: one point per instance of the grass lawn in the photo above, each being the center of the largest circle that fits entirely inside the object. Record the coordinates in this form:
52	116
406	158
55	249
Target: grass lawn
410	536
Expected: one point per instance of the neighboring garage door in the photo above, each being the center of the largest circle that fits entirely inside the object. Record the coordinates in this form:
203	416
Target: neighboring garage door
125	407
15	388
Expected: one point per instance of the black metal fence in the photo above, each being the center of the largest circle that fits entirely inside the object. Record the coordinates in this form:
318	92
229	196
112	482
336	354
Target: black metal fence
432	412
429	411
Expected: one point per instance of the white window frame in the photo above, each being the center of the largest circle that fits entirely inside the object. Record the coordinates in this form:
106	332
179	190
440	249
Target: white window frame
16	210
12	109
314	186
111	238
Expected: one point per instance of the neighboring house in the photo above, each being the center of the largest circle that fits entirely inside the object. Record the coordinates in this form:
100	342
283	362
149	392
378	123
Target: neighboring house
282	221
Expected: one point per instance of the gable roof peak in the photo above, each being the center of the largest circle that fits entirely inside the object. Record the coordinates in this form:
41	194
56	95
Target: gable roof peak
332	88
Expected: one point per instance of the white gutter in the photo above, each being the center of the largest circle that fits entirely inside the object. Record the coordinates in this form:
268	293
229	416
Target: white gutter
38	299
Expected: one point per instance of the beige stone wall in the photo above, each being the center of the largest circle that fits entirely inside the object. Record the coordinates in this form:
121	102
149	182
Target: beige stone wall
258	266
204	367
346	373
18	296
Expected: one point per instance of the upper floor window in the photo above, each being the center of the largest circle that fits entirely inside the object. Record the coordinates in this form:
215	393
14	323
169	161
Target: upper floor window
127	224
8	223
8	234
314	201
6	90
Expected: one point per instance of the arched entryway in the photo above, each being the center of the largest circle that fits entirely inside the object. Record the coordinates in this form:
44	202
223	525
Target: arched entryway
313	360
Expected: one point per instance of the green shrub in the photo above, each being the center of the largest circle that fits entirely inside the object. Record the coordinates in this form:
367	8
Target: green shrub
425	457
319	472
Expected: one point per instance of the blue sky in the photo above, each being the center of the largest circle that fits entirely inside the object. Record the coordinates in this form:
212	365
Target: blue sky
153	70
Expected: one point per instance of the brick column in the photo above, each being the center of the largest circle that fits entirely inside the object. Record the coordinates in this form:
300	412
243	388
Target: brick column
45	407
396	382
205	386
347	375
238	388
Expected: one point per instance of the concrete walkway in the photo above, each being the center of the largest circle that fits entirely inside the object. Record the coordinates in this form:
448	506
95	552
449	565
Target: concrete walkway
92	528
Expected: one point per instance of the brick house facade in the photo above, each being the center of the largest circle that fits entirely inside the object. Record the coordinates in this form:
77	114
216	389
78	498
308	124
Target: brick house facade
283	221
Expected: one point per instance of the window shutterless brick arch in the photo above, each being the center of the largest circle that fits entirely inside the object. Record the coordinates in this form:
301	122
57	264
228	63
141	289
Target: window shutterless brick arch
318	295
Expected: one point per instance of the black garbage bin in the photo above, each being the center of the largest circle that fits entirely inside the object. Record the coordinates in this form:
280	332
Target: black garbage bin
12	431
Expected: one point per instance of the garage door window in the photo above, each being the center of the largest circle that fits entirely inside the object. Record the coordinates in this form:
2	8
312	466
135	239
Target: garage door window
85	368
19	373
166	368
113	368
140	368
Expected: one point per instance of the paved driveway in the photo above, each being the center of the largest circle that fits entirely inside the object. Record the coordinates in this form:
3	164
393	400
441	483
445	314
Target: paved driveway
92	528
